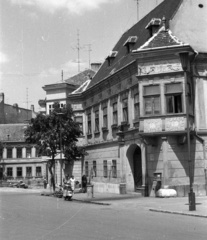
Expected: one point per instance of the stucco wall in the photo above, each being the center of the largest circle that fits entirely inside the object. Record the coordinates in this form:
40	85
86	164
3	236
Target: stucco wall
189	24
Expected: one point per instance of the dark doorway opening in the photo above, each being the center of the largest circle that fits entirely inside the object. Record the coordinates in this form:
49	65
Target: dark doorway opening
137	161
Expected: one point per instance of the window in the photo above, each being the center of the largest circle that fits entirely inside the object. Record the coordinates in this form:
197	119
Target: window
38	172
136	106
94	168
79	119
173	94
125	109
9	152
115	113
152	100
19	171
28	171
19	152
105	118
9	172
86	169
89	123
105	169
28	152
96	121
114	169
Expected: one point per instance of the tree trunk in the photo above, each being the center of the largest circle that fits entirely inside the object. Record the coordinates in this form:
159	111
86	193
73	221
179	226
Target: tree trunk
52	176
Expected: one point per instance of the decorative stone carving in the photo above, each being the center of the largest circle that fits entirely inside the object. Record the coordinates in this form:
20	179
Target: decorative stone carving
175	124
162	67
153	125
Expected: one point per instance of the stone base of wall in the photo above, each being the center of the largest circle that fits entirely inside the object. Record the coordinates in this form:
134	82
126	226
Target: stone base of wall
106	187
183	190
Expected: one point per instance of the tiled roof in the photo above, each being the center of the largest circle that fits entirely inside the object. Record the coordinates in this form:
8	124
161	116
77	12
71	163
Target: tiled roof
15	132
80	78
167	8
163	38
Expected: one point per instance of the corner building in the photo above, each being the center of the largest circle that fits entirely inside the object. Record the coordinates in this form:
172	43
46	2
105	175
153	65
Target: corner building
144	110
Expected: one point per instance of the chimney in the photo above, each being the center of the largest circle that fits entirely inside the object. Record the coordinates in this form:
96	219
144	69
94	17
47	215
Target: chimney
2	113
95	66
32	108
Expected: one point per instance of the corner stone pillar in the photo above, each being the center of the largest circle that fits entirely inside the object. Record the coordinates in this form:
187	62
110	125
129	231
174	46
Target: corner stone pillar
165	161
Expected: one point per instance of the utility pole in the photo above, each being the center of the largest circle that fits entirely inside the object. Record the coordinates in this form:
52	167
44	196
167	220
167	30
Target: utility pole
78	49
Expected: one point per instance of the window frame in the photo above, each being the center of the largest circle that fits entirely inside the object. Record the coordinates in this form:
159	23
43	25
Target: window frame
114	168
105	117
105	169
94	168
19	170
174	96
10	151
115	113
136	106
38	173
125	111
9	171
28	154
89	123
28	175
79	122
97	122
151	97
19	152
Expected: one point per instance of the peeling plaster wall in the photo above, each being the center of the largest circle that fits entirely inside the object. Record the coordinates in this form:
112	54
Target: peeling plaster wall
189	24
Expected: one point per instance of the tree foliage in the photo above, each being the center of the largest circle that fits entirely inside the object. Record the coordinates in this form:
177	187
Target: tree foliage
54	132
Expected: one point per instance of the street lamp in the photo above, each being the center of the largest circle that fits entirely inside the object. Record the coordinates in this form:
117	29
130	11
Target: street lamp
184	58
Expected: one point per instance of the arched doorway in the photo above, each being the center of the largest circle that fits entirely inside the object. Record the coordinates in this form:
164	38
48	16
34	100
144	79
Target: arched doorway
137	163
135	174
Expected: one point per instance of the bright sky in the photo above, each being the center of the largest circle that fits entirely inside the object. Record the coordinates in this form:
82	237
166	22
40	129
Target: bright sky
39	38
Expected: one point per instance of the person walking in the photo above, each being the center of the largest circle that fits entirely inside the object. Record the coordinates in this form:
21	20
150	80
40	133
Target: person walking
72	183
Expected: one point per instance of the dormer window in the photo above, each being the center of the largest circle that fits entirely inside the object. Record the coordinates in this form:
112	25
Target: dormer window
153	26
111	57
130	43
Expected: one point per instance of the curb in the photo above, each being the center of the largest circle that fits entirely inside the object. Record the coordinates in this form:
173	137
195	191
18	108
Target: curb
178	213
91	202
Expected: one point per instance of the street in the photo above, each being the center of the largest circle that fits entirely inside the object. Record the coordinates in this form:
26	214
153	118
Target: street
33	217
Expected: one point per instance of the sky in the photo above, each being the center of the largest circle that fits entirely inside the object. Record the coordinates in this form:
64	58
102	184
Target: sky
39	39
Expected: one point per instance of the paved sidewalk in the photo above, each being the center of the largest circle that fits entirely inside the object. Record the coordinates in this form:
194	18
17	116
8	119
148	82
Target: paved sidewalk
177	205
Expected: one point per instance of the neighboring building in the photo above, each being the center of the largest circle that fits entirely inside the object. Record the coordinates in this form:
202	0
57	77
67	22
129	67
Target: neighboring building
14	113
18	159
59	92
141	106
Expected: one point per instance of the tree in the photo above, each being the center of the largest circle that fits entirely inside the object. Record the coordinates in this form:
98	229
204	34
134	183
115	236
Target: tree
54	132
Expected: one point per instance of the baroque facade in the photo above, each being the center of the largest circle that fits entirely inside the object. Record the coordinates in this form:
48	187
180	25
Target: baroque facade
144	112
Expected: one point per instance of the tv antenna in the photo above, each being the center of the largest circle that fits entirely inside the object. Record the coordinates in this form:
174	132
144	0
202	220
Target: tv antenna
89	54
77	47
137	9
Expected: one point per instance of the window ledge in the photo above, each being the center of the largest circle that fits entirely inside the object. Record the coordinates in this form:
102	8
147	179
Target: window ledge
105	129
97	132
89	135
124	123
114	126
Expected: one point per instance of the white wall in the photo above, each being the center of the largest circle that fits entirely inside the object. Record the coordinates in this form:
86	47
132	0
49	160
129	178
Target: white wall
190	24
